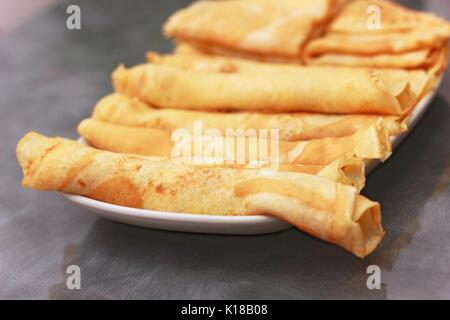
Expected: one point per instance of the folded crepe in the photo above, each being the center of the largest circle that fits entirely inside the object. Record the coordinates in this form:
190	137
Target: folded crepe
328	210
253	27
119	109
158	143
421	58
330	90
370	143
403	39
346	169
378	43
216	51
196	61
353	19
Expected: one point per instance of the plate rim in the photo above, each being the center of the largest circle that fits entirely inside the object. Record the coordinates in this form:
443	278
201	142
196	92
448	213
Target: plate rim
164	215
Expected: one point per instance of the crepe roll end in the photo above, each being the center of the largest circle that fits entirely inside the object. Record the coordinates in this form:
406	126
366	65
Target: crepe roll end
119	78
31	151
380	146
349	171
367	216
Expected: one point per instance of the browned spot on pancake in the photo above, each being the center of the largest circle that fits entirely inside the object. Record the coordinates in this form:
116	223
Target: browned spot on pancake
33	166
165	83
181	179
77	168
228	67
82	183
120	191
158	123
443	183
138	167
284	188
160	188
26	169
53	147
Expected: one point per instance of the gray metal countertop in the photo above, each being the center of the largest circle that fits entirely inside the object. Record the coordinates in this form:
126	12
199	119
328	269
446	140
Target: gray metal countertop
51	77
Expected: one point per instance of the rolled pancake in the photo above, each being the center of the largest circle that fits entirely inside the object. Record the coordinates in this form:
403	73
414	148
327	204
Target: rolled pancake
257	27
119	109
195	61
158	143
306	89
370	143
187	50
328	210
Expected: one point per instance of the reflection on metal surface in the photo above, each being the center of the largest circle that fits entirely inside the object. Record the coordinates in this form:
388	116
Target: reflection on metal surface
443	183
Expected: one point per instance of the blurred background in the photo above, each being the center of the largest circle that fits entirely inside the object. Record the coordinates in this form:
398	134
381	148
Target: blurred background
15	12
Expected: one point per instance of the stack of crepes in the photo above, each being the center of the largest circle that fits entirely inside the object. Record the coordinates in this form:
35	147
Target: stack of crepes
245	64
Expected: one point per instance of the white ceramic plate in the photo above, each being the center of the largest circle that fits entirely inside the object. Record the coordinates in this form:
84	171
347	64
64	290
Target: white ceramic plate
218	224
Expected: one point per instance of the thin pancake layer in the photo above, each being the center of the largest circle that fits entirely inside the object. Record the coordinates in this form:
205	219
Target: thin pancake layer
119	109
306	89
375	44
408	60
382	34
370	143
196	61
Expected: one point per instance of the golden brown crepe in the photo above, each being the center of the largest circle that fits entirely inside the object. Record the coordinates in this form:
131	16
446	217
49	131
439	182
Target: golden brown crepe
221	52
328	210
353	18
119	109
403	39
373	44
370	143
422	58
157	143
255	27
398	43
196	61
346	169
328	90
